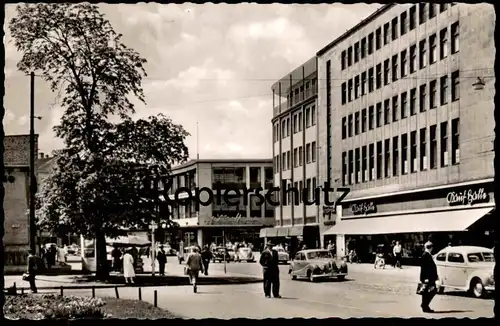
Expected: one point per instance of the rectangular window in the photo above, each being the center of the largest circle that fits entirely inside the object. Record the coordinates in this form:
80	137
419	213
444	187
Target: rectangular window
421	13
379	160
404	72
357	166
344	128
455	86
379	114
413	59
404	105
387	70
444	90
395	106
295	124
370	43
349	126
301	124
432	94
432	10
442	7
432	49
301	156
378	72
351	167
413	101
313	151
344	93
288	127
283	162
395	156
343	61
413	17
363	120
423	56
455	145
455	38
394	29
404	23
387	112
356	87
443	43
313	115
283	129
356	52
423	149
394	67
364	168
363	47
387	158
386	34
349	56
308	117
433	153
371	118
423	95
344	168
370	80
349	90
288	161
378	38
371	162
308	153
413	152
444	143
295	157
363	83
404	154
356	123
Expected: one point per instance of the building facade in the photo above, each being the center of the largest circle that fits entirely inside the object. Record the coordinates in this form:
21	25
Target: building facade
295	154
239	222
414	141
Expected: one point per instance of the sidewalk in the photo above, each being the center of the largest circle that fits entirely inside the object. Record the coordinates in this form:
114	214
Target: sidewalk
407	272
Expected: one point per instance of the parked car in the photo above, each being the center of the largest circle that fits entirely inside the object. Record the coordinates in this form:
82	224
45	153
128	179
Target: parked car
245	254
183	256
283	256
221	253
316	264
73	249
466	268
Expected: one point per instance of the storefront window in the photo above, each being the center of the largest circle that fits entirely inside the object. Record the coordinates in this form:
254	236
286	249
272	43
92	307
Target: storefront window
269	177
255	177
229	178
221	207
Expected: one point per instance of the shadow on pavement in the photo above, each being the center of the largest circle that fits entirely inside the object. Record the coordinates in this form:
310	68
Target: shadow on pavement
170	280
465	294
333	280
450	311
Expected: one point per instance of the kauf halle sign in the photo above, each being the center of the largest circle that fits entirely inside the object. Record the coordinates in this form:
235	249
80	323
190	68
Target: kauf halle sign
467	197
363	208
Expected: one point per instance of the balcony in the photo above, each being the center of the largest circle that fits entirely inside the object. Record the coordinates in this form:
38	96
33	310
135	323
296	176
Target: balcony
295	100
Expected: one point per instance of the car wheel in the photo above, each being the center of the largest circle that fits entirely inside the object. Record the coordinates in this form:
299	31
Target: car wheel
310	276
477	288
294	277
341	277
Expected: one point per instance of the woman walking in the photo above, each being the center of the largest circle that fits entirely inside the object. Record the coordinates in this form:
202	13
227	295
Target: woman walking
128	267
193	267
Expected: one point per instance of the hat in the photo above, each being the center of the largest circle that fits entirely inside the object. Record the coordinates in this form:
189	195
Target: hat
269	244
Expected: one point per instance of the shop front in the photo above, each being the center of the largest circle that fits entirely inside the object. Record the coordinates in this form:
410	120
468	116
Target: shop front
451	215
295	237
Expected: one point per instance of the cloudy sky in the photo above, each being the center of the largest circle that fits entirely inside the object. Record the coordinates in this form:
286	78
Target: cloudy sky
214	64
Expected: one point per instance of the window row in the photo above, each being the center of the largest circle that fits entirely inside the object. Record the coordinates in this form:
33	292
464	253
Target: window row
403	105
401	65
296	195
390	31
298	95
286	162
402	154
297	124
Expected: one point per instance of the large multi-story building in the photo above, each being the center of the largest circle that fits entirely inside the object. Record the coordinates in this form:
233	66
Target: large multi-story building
410	93
210	223
295	149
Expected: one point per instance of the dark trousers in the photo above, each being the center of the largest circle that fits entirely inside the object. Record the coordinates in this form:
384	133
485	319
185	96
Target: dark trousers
206	263
397	260
427	298
31	280
271	281
162	268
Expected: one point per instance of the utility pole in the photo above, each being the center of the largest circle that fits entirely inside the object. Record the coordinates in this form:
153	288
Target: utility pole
32	224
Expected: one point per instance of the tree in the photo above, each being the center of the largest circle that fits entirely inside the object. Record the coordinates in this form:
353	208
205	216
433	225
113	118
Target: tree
94	188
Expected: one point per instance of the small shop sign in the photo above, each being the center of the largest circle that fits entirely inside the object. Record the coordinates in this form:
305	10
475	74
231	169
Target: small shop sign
363	208
467	197
236	220
328	211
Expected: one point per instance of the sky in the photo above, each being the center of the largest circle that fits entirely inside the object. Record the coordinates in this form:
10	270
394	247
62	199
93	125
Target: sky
208	63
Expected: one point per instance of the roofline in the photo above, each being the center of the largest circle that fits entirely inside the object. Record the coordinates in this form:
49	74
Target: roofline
242	160
356	27
286	77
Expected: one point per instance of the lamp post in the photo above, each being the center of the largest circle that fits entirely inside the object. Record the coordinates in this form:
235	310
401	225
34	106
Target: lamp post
153	228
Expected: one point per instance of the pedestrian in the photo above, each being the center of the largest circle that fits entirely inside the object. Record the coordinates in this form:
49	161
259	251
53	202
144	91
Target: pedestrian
397	254
161	256
428	278
206	256
391	253
379	257
194	266
128	267
116	256
31	272
270	270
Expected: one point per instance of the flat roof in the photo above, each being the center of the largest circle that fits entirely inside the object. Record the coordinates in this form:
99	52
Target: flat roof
309	68
228	161
356	27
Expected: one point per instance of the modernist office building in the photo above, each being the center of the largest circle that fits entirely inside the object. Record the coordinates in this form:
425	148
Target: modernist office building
210	223
410	90
295	153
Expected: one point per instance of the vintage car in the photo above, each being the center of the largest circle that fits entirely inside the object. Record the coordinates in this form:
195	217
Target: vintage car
466	268
182	256
283	256
316	264
221	253
245	254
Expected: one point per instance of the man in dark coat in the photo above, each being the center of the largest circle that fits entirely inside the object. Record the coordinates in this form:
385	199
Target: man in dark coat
32	269
206	256
428	277
270	270
161	256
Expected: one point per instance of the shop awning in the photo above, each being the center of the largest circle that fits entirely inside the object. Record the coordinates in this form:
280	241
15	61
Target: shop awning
268	232
446	221
282	232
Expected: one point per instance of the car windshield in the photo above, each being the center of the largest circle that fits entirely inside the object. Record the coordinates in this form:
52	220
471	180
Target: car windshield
319	255
481	257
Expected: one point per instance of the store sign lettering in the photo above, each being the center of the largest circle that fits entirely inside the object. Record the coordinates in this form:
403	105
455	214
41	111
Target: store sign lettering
467	197
237	220
364	208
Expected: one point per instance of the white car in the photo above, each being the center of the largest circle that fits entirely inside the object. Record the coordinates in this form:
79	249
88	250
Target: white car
283	256
466	268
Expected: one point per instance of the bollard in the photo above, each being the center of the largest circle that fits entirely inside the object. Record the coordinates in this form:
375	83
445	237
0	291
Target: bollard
156	298
140	294
93	292
62	291
116	292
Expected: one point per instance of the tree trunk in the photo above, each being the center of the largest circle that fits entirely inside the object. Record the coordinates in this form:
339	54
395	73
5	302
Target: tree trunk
102	268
